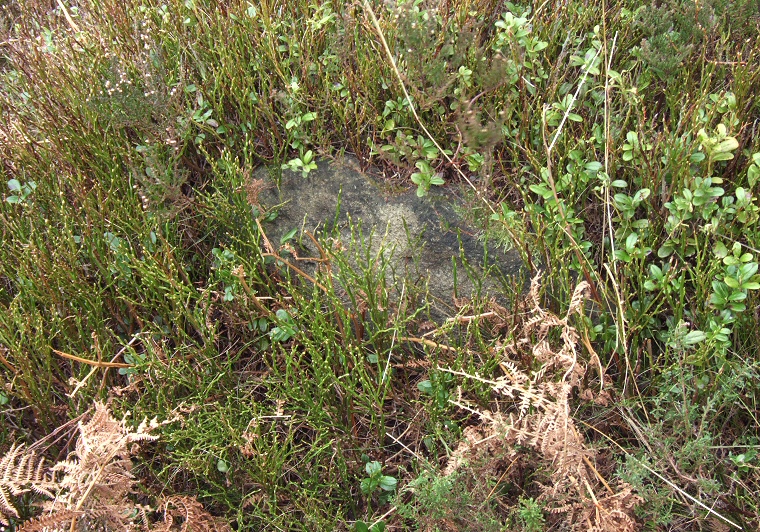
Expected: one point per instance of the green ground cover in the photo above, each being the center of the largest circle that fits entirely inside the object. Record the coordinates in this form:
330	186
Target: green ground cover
614	145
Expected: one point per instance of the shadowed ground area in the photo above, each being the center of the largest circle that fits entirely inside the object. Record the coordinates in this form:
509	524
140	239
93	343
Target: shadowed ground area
423	237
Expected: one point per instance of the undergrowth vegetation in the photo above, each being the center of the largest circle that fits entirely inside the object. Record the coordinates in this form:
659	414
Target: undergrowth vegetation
614	147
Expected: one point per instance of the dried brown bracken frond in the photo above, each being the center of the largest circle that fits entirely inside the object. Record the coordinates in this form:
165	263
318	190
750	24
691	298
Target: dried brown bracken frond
21	471
97	478
541	420
253	189
56	522
613	513
186	514
90	488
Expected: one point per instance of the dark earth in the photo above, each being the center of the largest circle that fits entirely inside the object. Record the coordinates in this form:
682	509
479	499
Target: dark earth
421	237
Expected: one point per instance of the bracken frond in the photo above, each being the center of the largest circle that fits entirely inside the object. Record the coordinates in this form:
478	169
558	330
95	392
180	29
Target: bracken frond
186	514
96	477
89	489
59	521
21	471
541	419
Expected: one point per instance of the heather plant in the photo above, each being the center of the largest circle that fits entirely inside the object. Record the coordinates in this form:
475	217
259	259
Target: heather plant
613	146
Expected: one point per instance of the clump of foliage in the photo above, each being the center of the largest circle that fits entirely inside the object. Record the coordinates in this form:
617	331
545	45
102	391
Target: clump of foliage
90	488
613	146
676	31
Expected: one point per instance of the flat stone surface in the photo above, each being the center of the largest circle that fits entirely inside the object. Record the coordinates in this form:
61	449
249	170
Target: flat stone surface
421	235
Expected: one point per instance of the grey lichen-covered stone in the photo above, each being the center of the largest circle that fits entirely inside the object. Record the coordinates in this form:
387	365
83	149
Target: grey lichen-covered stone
423	236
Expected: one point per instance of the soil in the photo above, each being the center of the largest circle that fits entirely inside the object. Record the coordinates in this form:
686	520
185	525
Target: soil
421	237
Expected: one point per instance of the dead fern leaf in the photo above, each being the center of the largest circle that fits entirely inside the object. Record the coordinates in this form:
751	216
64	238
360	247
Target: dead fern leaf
185	514
580	294
21	471
541	419
90	488
96	478
56	522
614	513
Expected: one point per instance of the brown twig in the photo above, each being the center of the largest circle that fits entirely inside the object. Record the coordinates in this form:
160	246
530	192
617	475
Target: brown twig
239	272
4	361
297	270
92	362
598	475
267	243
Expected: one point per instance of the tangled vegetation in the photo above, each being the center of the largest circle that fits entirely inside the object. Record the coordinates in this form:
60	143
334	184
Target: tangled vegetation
615	147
